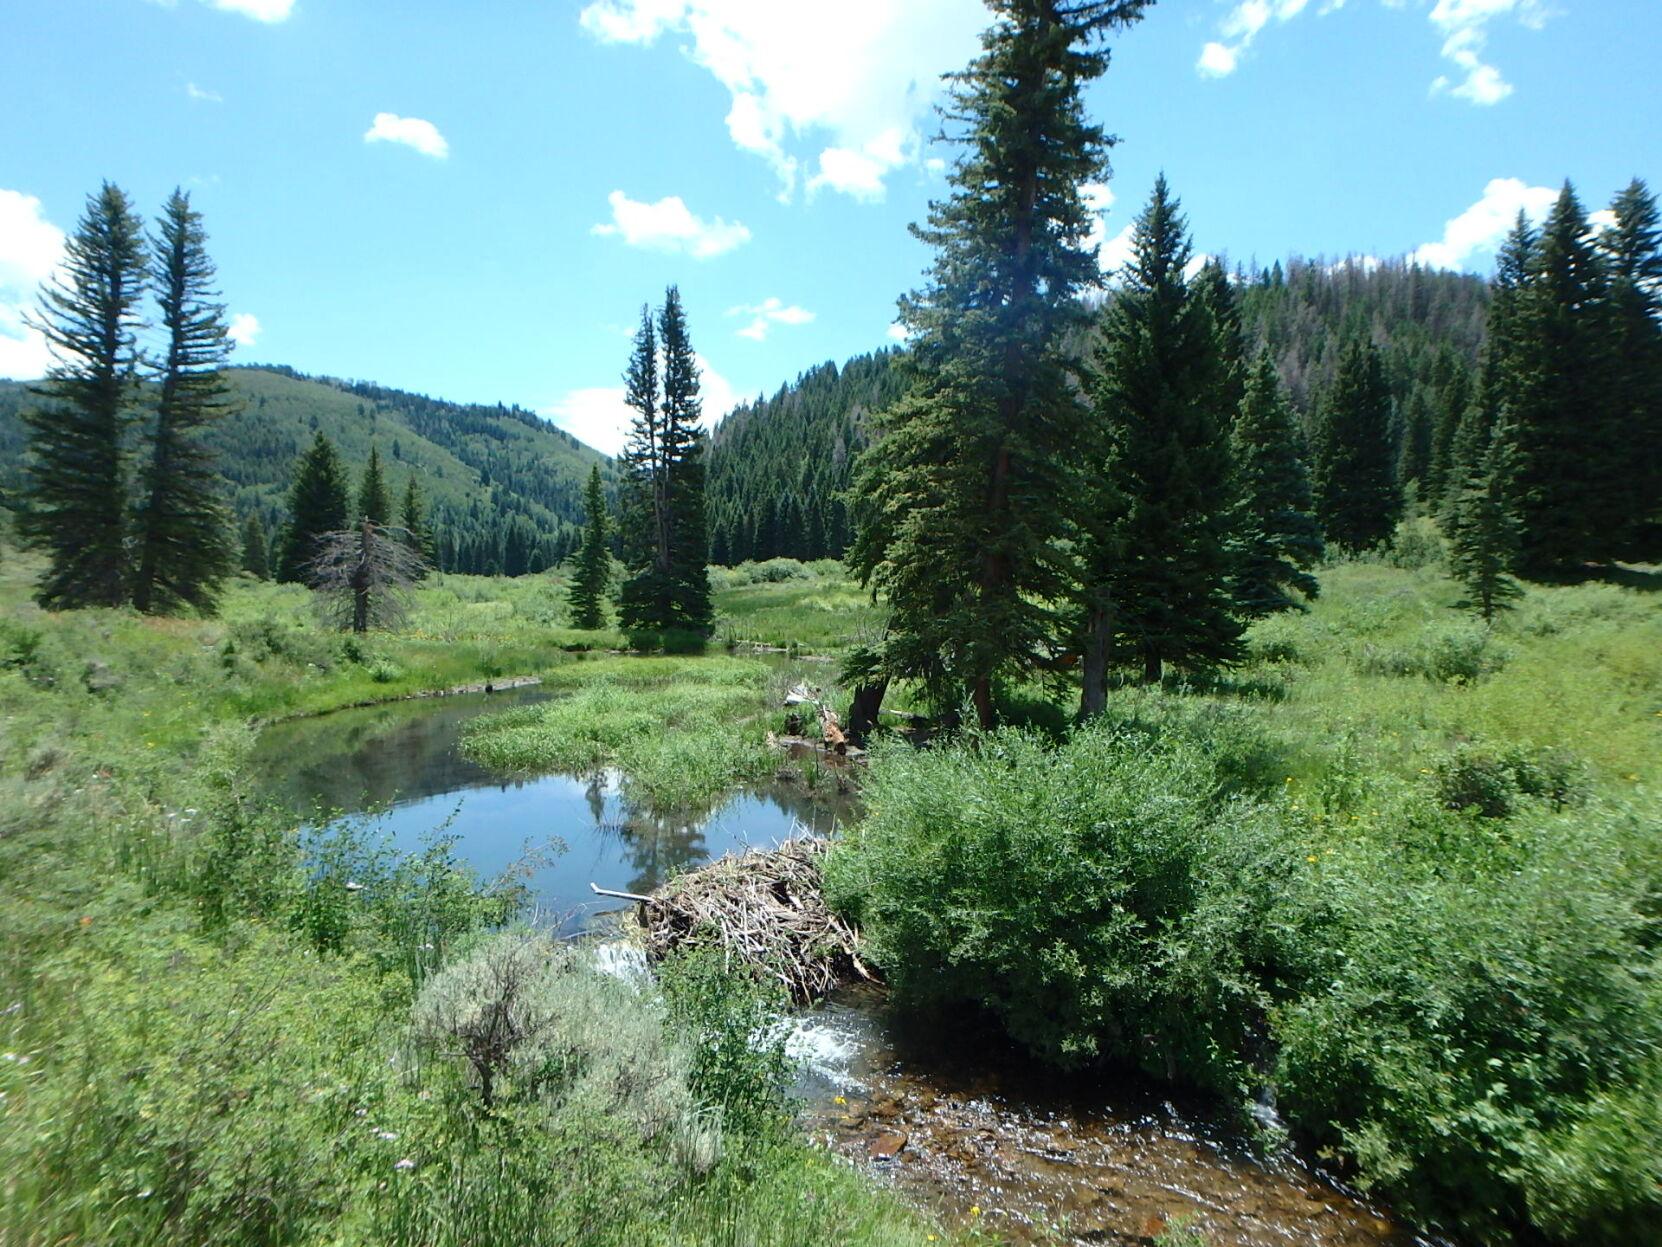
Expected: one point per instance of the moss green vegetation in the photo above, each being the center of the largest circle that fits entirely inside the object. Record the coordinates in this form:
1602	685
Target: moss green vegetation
1399	869
682	730
210	1032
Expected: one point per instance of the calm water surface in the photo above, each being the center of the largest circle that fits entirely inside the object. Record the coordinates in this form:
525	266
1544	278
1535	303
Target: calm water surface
403	761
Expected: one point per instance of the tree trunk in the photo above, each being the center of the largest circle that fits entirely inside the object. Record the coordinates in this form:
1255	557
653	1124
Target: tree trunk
862	714
1099	642
983	695
1152	668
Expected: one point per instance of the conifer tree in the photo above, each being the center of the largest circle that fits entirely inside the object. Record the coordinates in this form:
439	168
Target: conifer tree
413	519
645	519
1213	287
964	501
255	559
374	504
1355	478
684	449
1632	250
1452	393
74	495
588	584
317	506
1484	527
1277	537
1558	399
1165	450
1414	451
182	527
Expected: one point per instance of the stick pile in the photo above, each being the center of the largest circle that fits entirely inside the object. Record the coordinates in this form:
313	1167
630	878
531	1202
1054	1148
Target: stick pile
766	909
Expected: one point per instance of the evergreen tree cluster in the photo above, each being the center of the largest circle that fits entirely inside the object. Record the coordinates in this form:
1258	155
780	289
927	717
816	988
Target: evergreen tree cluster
322	504
124	391
780	468
665	537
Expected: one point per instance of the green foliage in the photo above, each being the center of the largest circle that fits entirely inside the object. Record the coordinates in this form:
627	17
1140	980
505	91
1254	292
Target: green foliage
256	560
1452	654
182	529
682	731
731	1024
1275	535
1356	487
317	505
374	504
594	560
75	487
1484	528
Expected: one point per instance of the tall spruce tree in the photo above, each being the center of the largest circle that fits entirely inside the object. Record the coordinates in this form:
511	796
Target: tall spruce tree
643	599
74	495
413	519
317	507
685	448
1217	292
1164	439
256	560
1632	250
1451	385
1484	529
1558	399
1355	479
964	501
182	528
594	560
374	504
1276	535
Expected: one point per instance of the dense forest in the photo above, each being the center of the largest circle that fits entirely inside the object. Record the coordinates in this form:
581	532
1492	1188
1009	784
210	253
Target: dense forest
780	468
503	486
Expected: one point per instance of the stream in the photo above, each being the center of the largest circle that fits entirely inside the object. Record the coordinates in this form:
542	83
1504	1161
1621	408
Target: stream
955	1122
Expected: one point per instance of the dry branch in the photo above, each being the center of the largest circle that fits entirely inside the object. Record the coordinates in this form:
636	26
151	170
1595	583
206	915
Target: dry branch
765	910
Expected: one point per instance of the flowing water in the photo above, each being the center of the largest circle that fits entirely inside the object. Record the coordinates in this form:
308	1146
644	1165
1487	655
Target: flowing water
954	1121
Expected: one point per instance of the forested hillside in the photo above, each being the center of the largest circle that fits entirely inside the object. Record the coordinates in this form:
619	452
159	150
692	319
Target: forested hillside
503	486
778	468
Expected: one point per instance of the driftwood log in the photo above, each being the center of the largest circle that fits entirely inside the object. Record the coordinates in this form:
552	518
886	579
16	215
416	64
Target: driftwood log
765	910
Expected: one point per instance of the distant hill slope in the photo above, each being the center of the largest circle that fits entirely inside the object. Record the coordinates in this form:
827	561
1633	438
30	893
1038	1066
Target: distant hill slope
504	487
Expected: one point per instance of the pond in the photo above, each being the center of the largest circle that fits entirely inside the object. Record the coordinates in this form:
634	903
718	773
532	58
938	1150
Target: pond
400	764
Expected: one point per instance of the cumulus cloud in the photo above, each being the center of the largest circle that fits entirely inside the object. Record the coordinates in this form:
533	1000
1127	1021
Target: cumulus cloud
898	332
30	248
765	315
669	225
1478	230
598	416
831	95
412	132
202	93
1463	26
244	329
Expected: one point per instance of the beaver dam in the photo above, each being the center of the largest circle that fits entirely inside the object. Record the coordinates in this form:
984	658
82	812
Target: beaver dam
961	1121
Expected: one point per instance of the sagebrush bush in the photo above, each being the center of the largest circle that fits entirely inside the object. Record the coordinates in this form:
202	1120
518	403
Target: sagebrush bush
1460	654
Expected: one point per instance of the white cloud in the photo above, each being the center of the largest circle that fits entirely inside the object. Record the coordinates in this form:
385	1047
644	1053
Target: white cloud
898	333
765	315
412	132
244	329
260	10
669	225
1462	24
30	248
1480	228
839	92
598	416
1116	253
202	93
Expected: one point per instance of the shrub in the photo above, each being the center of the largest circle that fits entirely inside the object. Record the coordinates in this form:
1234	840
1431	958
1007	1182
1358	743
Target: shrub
1417	544
1461	654
1474	780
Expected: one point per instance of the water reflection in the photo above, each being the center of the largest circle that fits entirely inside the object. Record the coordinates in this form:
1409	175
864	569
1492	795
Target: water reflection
404	757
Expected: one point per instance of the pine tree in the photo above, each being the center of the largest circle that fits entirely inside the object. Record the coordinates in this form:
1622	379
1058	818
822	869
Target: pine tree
1632	251
1452	393
1484	527
1558	399
964	502
74	493
1355	478
1165	434
1414	451
374	504
642	602
594	560
684	449
413	518
317	506
255	560
1212	286
182	527
1277	537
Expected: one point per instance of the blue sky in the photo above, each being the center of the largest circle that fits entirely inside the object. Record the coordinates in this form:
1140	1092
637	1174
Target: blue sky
473	200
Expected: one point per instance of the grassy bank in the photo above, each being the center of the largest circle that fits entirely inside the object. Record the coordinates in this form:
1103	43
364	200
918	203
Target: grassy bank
206	1035
1399	871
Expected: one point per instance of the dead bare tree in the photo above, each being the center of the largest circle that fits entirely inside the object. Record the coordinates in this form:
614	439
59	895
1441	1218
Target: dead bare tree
363	576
